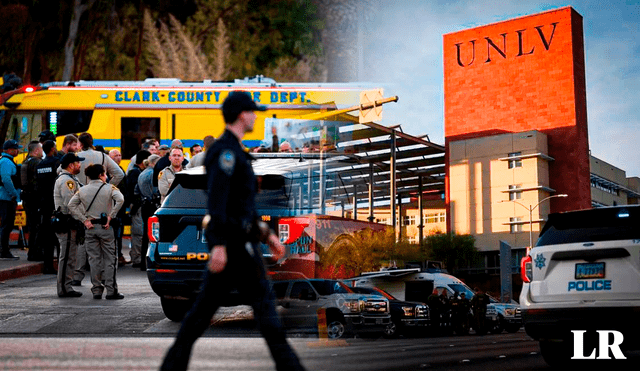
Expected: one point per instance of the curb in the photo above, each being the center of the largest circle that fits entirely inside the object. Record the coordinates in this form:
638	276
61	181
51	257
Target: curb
20	271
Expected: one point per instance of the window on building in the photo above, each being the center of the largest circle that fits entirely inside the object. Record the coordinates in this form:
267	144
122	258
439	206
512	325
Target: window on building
409	220
515	227
515	192
434	218
515	162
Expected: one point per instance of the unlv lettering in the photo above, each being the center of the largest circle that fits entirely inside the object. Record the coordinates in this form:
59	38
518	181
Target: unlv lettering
501	50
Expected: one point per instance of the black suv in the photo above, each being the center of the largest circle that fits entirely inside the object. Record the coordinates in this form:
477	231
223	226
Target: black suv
178	250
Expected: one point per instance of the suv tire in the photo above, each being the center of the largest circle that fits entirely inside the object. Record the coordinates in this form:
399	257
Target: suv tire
336	328
175	309
392	330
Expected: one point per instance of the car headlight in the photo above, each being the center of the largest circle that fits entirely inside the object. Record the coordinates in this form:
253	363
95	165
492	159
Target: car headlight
354	305
408	311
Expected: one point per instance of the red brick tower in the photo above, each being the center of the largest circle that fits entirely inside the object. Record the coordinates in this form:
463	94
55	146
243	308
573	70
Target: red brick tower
524	74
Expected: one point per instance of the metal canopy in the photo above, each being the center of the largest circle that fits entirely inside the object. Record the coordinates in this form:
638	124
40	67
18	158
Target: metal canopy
361	164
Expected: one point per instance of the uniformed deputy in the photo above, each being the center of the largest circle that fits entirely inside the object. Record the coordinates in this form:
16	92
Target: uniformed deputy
168	174
91	156
95	205
232	234
65	188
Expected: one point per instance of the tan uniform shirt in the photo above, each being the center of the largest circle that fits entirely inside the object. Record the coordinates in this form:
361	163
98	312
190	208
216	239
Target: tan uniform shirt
197	160
165	179
65	187
109	200
94	157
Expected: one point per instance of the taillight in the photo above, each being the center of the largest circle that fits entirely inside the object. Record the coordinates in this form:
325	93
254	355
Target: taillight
153	229
526	270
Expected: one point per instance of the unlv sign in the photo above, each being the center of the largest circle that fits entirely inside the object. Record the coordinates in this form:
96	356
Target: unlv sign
523	49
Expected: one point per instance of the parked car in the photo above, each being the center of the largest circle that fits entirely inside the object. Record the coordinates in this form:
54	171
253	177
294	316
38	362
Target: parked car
405	315
583	274
301	301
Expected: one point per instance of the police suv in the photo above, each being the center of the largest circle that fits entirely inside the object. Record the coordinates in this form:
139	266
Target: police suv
178	250
583	275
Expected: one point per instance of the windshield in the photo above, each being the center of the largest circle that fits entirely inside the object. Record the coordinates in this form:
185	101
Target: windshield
372	291
328	287
460	288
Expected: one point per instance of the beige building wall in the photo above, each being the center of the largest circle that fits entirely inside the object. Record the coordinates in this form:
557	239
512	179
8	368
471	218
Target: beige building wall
610	185
493	183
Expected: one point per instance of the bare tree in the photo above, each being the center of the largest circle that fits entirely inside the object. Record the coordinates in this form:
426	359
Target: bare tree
79	7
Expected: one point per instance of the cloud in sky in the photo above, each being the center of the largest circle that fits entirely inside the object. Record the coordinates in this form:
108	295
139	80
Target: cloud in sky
402	52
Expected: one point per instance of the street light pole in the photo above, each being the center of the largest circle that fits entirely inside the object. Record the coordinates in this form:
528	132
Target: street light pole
531	208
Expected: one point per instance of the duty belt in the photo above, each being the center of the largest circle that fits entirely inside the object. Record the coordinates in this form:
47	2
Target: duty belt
97	221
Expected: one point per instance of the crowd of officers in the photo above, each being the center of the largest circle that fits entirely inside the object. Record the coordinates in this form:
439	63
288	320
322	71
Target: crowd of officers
459	314
76	201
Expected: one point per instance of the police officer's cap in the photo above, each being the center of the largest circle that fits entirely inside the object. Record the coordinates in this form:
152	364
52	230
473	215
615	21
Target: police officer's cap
70	158
46	135
11	144
236	103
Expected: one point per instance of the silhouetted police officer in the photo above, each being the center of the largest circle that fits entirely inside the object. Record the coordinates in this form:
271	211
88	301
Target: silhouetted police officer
479	304
232	234
46	174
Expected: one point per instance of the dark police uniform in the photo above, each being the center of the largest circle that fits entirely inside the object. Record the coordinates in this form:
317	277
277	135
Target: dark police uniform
231	204
479	304
46	174
30	204
65	188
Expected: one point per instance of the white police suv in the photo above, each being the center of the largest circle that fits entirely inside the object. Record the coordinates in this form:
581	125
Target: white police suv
582	282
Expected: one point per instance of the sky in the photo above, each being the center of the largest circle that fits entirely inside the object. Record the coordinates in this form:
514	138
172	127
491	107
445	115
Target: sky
403	53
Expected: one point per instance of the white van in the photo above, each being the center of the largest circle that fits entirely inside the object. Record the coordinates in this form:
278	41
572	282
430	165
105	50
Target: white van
417	284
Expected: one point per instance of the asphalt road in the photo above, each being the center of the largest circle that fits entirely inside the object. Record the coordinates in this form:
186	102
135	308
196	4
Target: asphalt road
39	331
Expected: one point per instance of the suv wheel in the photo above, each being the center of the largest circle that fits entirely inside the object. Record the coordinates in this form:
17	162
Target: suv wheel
391	330
497	326
554	353
335	328
512	328
175	309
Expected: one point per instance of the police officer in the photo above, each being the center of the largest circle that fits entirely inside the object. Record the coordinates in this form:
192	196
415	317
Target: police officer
9	195
92	156
150	201
29	196
232	234
66	186
434	309
479	304
168	174
95	205
137	230
460	311
46	173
